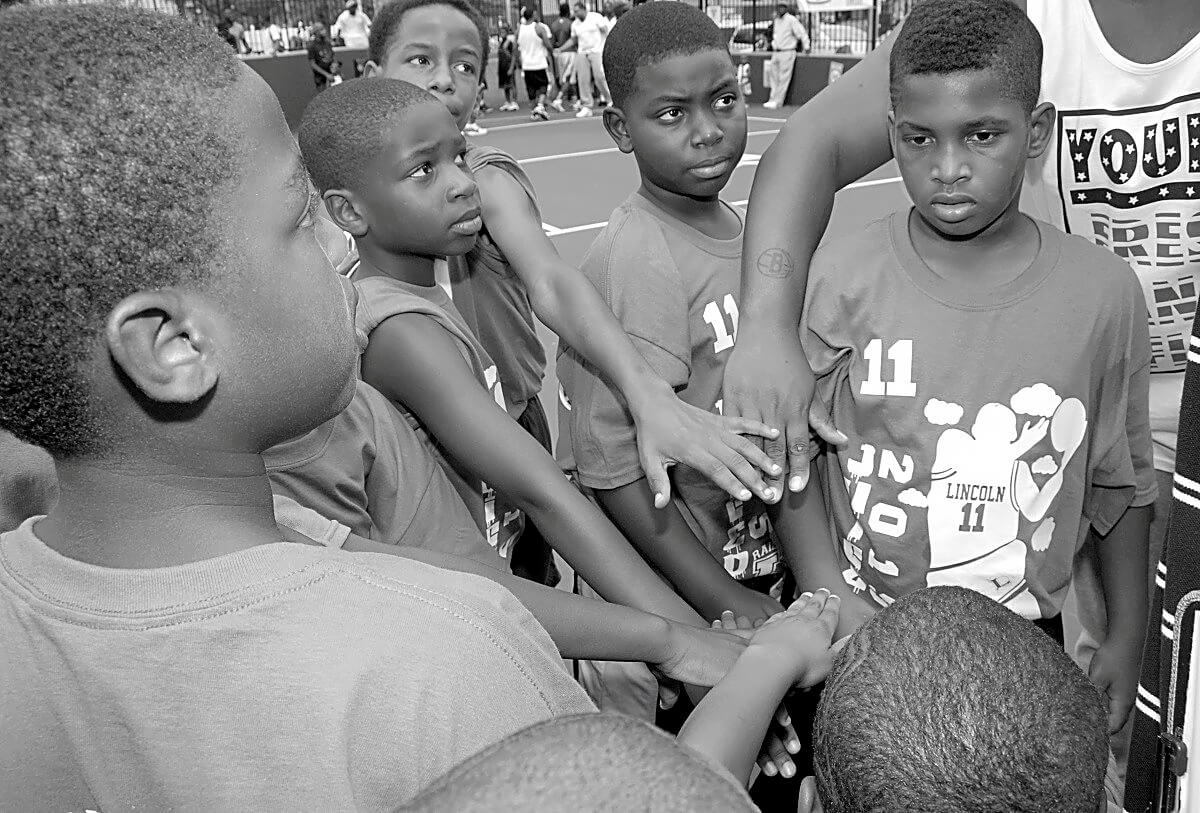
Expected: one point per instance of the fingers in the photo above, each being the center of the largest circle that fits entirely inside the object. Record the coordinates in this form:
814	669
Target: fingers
742	474
776	761
830	613
741	425
668	694
720	475
659	482
822	423
759	461
796	434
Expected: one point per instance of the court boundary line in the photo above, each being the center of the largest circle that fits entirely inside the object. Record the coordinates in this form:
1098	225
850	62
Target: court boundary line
555	231
596	117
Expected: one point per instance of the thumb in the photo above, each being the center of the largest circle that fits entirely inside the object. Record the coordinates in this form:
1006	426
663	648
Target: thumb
821	423
659	482
668	693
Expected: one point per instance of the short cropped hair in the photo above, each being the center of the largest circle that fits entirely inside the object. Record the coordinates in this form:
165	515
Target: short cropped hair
948	36
948	702
388	19
343	127
111	151
650	33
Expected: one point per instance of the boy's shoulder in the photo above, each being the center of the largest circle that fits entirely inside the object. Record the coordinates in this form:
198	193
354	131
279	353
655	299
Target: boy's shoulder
870	246
1100	265
632	243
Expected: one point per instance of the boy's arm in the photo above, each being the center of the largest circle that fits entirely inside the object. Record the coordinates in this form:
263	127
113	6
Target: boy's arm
668	431
1123	566
792	648
664	538
802	527
833	140
413	361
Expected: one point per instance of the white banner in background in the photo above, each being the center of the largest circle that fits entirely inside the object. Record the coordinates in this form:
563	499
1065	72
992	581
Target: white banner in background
834	5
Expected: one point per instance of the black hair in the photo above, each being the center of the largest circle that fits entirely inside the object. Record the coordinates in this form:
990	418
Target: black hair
564	9
527	13
948	36
344	126
112	150
948	702
388	19
650	33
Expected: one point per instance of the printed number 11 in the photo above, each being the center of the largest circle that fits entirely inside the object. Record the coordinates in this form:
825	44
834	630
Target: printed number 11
966	526
900	354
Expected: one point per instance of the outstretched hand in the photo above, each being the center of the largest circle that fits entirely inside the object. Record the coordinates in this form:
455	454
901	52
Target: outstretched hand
670	431
774	385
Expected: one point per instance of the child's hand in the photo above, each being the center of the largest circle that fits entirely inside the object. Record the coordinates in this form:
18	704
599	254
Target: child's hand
699	657
1114	672
797	639
670	431
748	608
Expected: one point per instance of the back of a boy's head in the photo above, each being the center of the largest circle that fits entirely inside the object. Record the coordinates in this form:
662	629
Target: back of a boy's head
946	702
387	23
110	154
951	36
345	126
651	33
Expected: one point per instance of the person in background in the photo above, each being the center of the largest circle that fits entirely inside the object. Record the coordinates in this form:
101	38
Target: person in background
564	59
506	67
788	37
588	32
275	34
353	26
321	59
533	43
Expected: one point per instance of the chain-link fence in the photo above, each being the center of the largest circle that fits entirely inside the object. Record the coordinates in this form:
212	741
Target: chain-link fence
850	27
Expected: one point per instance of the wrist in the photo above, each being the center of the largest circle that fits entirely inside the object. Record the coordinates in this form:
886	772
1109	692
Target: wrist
658	640
774	667
644	393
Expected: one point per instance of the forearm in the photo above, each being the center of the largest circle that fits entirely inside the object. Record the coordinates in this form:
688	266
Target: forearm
570	306
580	627
1124	561
731	722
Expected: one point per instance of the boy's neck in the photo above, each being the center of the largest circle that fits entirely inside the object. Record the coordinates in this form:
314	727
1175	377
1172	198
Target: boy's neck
415	269
996	255
160	511
708	216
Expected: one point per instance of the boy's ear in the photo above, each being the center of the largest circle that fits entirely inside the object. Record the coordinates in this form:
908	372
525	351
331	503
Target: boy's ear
1041	128
164	346
345	210
618	129
371	69
892	129
810	802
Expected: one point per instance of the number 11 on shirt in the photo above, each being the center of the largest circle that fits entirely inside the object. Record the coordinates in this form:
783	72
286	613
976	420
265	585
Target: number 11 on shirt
901	355
716	320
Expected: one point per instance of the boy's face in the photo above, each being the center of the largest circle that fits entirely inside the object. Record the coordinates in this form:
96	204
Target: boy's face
685	123
961	145
420	198
437	48
580	12
289	352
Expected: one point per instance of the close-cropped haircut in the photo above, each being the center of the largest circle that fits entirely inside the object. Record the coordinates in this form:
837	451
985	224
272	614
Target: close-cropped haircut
947	702
651	33
388	19
111	150
344	127
949	36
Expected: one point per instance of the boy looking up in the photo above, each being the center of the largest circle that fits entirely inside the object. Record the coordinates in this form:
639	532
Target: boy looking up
990	371
168	315
904	726
396	180
514	271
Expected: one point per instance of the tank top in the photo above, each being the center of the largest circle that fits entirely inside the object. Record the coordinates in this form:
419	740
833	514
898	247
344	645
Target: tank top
533	49
1123	170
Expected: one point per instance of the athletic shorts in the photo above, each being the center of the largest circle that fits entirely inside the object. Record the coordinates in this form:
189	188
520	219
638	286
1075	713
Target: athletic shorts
536	82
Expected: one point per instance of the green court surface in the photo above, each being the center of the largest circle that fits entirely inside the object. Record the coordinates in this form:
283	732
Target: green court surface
580	177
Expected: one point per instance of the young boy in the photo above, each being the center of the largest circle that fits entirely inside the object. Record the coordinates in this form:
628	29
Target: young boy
990	371
396	181
903	726
667	266
157	649
514	272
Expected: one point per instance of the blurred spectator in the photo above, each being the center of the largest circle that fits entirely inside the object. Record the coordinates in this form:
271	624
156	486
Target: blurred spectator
353	26
321	59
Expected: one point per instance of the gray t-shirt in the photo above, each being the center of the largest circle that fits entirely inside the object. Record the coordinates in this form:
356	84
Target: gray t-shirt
282	677
988	428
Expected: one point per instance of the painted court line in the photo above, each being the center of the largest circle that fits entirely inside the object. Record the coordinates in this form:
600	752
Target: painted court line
554	231
538	159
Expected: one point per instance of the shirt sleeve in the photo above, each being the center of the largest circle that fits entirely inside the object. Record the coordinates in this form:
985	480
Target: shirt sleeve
293	515
1122	471
634	271
820	324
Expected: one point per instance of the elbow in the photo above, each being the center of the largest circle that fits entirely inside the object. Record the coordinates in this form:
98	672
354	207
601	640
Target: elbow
546	299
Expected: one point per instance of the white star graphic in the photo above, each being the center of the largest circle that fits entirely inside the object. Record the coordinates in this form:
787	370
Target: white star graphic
1129	149
1162	170
1082	197
1104	161
1194	122
1191	190
1108	195
1196	142
1078	157
1124	177
1170	127
1196	165
1170	151
1162	193
1108	139
1087	136
1082	176
1133	200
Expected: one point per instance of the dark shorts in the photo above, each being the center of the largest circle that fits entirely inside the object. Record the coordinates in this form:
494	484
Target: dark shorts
536	82
532	556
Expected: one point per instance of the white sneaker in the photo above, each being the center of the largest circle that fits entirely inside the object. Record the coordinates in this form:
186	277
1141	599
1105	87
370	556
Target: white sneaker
558	105
584	112
771	105
575	105
473	129
508	107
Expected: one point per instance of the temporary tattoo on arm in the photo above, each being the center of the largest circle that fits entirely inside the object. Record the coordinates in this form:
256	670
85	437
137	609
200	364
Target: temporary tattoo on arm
775	262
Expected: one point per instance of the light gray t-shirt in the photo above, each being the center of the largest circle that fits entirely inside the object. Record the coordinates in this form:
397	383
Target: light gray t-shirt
988	428
283	677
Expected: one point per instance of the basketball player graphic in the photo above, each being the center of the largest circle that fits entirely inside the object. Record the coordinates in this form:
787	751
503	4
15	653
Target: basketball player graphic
981	487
